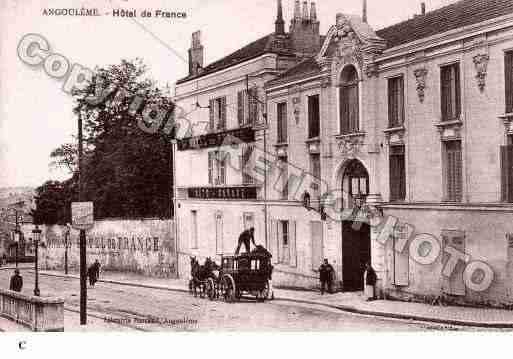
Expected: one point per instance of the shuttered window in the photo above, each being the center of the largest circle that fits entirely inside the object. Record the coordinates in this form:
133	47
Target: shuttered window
508	77
247	150
217	114
240	108
315	169
211	168
284	178
282	122
450	92
453	176
313	116
395	101
507	173
349	106
247	107
397	174
253	105
217	161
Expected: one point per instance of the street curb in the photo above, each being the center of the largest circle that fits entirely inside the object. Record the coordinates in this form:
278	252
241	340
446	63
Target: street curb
344	308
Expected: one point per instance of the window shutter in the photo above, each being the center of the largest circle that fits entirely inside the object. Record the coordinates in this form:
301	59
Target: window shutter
391	103
211	119
279	231
353	107
222	166
508	77
273	235
454	171
284	123
344	111
211	168
457	95
240	108
507	173
445	92
222	113
316	237
400	101
253	105
292	243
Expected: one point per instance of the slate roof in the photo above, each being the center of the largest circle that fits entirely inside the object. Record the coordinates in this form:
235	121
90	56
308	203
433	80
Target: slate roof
450	17
265	45
306	67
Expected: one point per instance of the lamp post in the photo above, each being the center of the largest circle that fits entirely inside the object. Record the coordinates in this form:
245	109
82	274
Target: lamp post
37	234
17	236
67	233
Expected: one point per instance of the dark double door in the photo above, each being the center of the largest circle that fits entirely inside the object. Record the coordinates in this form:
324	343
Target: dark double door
356	252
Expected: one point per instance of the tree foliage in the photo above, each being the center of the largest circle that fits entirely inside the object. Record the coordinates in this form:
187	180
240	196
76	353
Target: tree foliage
127	172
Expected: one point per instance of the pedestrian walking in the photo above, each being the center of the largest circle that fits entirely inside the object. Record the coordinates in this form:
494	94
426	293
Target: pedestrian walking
326	276
16	283
246	238
370	279
93	272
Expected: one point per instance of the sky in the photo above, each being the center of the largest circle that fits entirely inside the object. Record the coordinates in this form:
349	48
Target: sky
36	115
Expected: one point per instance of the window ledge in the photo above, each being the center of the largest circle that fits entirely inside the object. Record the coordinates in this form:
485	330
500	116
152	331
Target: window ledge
312	139
447	123
394	129
350	135
281	144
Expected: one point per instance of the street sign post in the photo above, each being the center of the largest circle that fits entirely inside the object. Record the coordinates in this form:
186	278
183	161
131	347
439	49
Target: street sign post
82	215
82	219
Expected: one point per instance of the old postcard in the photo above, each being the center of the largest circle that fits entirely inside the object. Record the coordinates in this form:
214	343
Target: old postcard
270	165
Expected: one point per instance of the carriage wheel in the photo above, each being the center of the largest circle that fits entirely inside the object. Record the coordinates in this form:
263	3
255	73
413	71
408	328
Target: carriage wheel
210	289
265	292
228	288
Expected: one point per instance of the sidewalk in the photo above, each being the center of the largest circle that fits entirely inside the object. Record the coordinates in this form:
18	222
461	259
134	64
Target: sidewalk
349	302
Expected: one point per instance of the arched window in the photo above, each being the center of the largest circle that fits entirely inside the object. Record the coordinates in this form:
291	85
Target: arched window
355	183
349	100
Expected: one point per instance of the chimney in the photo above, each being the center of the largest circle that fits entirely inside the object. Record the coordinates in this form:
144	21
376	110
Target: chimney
313	12
304	29
423	8
279	24
195	54
364	11
297	11
305	11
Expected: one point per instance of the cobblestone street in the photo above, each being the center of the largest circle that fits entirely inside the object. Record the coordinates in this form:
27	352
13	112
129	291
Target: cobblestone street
116	307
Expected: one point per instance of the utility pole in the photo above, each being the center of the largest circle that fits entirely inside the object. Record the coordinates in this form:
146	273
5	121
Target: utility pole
83	263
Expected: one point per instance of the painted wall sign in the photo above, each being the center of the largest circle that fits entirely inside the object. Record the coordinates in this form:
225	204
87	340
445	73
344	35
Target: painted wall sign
222	192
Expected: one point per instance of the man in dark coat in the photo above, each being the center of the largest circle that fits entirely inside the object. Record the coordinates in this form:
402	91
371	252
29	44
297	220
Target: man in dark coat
326	275
16	281
93	272
246	238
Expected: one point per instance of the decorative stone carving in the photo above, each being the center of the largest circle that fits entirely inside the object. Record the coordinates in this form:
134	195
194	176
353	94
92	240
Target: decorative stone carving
350	145
371	69
297	108
481	64
420	78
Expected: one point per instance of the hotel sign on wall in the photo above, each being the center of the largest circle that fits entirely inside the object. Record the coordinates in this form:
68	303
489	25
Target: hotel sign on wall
246	134
240	193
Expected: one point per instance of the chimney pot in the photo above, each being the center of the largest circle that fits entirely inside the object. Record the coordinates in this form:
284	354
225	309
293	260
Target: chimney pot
305	10
423	8
313	12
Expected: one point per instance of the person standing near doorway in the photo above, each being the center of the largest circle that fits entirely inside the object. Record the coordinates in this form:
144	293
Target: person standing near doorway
326	276
370	279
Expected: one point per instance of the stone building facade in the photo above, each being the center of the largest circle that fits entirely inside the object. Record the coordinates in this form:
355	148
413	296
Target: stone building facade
403	131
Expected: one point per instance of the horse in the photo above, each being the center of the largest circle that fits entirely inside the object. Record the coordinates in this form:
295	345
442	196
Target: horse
200	274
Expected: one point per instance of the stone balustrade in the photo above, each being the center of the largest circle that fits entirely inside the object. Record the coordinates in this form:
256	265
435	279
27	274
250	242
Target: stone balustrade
41	314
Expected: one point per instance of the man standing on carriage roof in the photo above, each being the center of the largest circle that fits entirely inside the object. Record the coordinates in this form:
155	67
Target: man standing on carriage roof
245	238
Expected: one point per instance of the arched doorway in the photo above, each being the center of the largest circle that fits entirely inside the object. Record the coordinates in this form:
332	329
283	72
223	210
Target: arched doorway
356	246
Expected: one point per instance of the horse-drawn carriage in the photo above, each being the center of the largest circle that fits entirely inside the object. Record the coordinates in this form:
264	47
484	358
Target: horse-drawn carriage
247	273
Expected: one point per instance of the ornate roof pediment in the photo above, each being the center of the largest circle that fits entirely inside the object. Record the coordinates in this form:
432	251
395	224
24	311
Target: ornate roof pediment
350	40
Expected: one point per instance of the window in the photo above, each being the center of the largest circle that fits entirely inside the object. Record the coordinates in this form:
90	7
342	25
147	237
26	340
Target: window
349	108
284	178
397	174
450	92
217	114
313	116
217	167
219	232
247	107
507	171
508	77
395	101
246	162
284	237
453	171
194	229
315	170
282	122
